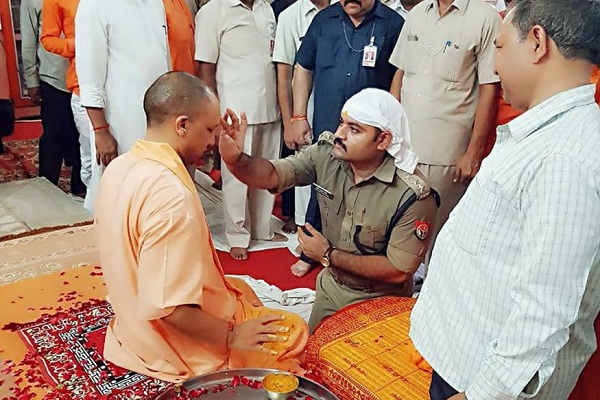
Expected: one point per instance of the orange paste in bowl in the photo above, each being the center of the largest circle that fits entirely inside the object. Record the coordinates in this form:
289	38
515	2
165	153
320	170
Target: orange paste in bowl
280	382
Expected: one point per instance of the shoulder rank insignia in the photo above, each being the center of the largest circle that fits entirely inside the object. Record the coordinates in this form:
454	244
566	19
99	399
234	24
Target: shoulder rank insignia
416	183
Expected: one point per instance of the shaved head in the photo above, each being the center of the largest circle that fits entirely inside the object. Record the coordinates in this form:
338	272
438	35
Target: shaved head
173	94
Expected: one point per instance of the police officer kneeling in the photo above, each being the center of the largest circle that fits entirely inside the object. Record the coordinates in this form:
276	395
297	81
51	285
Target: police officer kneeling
375	205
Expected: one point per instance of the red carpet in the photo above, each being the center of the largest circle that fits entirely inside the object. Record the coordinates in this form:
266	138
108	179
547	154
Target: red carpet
273	266
68	347
25	130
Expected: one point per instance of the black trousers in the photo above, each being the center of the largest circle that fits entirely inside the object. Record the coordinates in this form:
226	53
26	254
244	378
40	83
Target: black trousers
313	215
7	120
440	389
60	140
288	200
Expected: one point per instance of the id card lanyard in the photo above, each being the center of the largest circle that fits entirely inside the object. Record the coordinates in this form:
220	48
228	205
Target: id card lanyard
370	54
369	51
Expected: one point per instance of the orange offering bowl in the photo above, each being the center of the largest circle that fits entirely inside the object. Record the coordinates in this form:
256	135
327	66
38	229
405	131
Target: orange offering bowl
280	385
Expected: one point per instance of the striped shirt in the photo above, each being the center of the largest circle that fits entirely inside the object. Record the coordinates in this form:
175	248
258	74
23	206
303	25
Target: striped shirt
508	307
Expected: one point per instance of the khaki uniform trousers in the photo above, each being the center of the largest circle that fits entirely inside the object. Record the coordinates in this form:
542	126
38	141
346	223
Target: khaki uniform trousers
440	178
247	212
332	296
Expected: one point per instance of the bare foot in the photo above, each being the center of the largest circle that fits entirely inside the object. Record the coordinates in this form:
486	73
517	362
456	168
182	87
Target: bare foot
238	253
278	237
218	184
290	225
300	268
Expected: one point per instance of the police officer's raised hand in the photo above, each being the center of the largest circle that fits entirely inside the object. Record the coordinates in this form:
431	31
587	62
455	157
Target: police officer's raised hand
252	334
314	245
233	133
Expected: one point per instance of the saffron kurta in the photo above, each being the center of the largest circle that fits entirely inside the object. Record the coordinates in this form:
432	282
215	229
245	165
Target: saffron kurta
156	254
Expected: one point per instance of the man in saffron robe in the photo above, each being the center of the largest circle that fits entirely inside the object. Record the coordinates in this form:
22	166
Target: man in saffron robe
176	315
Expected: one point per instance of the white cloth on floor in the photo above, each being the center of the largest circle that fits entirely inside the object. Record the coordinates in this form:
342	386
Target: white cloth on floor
212	202
299	301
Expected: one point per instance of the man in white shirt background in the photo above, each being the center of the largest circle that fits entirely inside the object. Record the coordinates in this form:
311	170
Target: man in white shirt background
291	27
508	308
402	7
121	49
234	47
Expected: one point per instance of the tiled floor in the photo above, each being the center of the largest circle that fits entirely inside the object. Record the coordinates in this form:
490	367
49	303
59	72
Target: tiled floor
36	203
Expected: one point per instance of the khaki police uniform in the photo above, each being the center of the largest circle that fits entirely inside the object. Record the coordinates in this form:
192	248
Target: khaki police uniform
445	59
370	204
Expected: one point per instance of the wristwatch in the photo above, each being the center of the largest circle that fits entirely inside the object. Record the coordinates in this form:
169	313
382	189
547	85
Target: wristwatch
326	259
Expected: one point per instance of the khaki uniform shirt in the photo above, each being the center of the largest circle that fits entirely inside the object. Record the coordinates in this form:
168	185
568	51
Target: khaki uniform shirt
240	42
371	204
444	60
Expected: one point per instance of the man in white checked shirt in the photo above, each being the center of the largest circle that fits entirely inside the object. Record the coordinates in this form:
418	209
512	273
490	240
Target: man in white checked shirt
508	307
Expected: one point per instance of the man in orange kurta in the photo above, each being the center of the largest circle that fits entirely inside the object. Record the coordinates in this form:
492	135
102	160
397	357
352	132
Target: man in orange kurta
176	315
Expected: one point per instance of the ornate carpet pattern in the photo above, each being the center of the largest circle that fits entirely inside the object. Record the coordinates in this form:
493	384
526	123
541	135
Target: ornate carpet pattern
52	341
20	161
364	352
68	346
46	253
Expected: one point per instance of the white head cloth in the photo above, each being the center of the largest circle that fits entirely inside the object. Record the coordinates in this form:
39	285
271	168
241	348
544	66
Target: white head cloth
378	108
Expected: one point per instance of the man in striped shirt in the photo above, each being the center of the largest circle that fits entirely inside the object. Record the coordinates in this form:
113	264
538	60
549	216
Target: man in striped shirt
508	307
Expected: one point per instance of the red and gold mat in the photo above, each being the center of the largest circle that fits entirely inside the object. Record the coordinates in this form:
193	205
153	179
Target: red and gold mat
364	352
52	341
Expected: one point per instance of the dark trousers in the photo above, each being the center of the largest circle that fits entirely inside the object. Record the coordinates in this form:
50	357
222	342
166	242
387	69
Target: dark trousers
313	217
313	214
60	140
440	389
288	201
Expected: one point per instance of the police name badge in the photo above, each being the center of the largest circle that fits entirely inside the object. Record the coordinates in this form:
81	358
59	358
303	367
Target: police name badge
322	191
369	54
